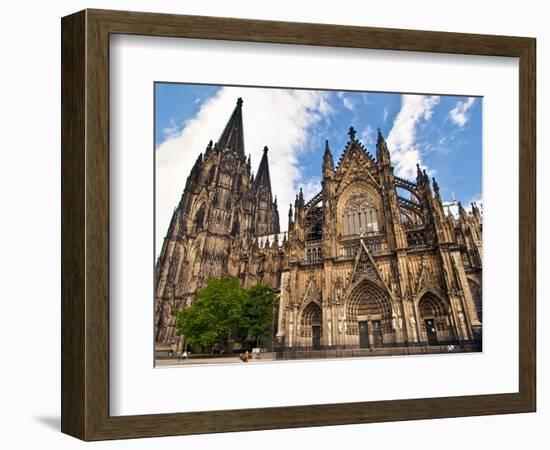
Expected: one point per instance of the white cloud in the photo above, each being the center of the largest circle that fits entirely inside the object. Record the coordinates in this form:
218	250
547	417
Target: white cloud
367	135
386	112
346	101
172	130
459	114
405	152
310	187
277	118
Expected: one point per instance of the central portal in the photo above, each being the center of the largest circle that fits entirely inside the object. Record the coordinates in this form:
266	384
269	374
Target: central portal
369	316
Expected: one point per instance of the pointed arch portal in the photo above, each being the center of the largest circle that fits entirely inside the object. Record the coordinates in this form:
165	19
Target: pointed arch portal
435	320
311	324
369	316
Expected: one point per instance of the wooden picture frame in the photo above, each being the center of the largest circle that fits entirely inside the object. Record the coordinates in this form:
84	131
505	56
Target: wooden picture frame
85	224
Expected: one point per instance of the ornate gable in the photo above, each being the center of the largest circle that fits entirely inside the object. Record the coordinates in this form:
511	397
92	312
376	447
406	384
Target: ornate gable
366	268
355	166
426	279
312	293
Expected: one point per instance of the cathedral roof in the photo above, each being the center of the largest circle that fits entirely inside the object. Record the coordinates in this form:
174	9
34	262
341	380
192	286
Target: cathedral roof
233	135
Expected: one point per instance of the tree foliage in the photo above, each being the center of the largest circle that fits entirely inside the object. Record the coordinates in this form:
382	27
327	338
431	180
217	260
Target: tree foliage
224	310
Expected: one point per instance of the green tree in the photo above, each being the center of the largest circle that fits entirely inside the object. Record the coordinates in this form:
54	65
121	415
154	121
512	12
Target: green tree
223	309
257	315
214	313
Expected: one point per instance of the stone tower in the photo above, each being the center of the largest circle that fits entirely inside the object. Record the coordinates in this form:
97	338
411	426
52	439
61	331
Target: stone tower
222	208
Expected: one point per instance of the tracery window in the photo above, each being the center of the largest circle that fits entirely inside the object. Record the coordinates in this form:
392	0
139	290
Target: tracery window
360	214
236	227
211	175
199	218
314	255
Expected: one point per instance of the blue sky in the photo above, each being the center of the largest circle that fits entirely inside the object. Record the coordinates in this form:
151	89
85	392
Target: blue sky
442	133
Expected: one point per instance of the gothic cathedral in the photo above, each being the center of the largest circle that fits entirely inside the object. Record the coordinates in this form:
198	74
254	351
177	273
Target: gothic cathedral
371	261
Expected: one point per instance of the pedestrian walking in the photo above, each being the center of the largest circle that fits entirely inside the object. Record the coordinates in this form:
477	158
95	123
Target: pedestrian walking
184	355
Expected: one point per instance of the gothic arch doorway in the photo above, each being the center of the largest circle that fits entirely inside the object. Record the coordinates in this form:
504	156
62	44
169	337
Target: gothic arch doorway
435	321
311	325
369	316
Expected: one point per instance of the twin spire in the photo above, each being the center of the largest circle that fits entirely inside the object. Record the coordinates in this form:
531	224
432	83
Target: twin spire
232	137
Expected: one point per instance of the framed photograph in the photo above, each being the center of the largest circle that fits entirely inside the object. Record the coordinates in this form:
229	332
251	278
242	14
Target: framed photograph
273	225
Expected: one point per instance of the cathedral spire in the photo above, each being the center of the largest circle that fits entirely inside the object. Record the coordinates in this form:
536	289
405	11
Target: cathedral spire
382	152
328	163
419	176
380	138
262	177
301	198
233	136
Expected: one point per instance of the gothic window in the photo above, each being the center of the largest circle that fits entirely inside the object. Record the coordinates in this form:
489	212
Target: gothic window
199	218
236	227
360	214
211	174
229	164
188	205
264	197
314	255
314	224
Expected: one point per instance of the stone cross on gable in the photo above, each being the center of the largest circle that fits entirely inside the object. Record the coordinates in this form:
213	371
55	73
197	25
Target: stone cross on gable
351	133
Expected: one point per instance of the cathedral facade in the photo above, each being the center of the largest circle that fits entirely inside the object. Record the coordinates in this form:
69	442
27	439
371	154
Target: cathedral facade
371	261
